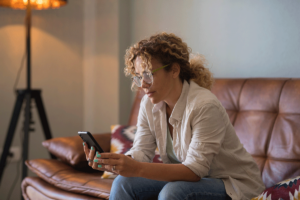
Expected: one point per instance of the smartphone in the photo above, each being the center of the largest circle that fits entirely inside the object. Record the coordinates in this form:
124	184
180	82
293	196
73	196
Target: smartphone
90	140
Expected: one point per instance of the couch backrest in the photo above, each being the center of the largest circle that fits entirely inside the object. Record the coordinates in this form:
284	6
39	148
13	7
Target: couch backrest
266	116
265	113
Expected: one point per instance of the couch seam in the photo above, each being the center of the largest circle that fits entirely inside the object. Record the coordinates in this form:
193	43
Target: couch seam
238	101
270	133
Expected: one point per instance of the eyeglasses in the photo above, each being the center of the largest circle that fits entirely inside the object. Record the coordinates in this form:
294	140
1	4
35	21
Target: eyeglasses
147	76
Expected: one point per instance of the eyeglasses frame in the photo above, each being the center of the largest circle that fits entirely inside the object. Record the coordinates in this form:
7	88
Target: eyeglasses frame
151	73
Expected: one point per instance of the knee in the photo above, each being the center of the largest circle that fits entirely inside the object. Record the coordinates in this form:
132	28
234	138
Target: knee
170	191
119	188
120	183
123	187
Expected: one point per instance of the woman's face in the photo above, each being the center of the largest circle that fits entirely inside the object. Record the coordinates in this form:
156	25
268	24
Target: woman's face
162	84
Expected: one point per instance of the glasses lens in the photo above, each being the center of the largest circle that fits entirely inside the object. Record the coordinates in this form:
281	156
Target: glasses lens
147	77
137	81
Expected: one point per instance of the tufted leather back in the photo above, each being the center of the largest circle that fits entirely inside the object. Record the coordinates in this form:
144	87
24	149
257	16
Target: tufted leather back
265	113
266	116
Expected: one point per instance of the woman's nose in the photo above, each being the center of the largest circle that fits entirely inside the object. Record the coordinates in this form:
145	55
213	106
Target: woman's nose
145	84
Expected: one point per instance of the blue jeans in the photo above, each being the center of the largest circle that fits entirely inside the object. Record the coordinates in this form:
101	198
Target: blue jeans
124	188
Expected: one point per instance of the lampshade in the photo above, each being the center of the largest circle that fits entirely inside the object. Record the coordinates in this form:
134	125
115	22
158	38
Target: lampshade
35	4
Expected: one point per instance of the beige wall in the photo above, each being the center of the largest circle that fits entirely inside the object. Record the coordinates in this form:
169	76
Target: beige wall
125	32
76	52
239	38
57	46
107	94
100	65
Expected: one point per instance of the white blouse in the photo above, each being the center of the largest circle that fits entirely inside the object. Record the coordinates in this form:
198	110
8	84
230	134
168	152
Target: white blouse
204	140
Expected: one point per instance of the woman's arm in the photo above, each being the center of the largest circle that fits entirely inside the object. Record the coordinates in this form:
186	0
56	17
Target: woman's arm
144	144
128	167
166	172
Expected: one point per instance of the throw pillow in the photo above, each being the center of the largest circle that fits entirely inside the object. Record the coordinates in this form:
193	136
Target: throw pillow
121	141
285	190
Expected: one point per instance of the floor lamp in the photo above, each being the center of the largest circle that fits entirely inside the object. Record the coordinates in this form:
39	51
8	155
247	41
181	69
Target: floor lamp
26	95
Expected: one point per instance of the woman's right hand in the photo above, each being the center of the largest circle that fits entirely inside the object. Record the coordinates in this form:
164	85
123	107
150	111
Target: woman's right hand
89	154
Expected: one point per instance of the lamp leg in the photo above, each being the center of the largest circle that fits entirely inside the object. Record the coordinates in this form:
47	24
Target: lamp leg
11	131
26	134
24	96
42	113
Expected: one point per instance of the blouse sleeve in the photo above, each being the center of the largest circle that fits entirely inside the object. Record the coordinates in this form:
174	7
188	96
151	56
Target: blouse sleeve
208	132
144	144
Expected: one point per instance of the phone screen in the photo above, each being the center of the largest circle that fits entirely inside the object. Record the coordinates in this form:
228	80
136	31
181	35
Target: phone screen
88	138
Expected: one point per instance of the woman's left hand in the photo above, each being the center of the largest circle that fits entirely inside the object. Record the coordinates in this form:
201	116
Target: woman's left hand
117	163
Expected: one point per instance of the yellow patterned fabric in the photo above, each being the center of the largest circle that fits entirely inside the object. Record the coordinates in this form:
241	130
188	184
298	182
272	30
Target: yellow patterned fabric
114	148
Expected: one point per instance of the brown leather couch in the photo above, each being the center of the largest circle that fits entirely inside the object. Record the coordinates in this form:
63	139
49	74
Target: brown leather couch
265	114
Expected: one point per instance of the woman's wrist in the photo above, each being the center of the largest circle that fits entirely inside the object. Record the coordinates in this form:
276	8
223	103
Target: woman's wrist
138	169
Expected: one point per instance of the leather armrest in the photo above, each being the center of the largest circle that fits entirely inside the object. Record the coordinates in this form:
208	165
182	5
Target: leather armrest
70	149
69	179
36	188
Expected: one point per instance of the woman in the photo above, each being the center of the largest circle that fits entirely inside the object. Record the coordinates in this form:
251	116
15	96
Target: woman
201	153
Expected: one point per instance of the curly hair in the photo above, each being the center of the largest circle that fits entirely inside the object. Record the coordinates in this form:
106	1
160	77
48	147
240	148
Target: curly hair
168	49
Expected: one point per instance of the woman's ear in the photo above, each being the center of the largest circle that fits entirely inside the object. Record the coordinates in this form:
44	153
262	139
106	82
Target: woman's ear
175	70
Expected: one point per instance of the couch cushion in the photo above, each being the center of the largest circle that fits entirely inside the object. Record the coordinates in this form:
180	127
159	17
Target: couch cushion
265	113
70	149
36	188
228	92
67	178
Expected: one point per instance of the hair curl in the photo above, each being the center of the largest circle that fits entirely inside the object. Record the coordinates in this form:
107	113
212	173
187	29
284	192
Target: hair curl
168	49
